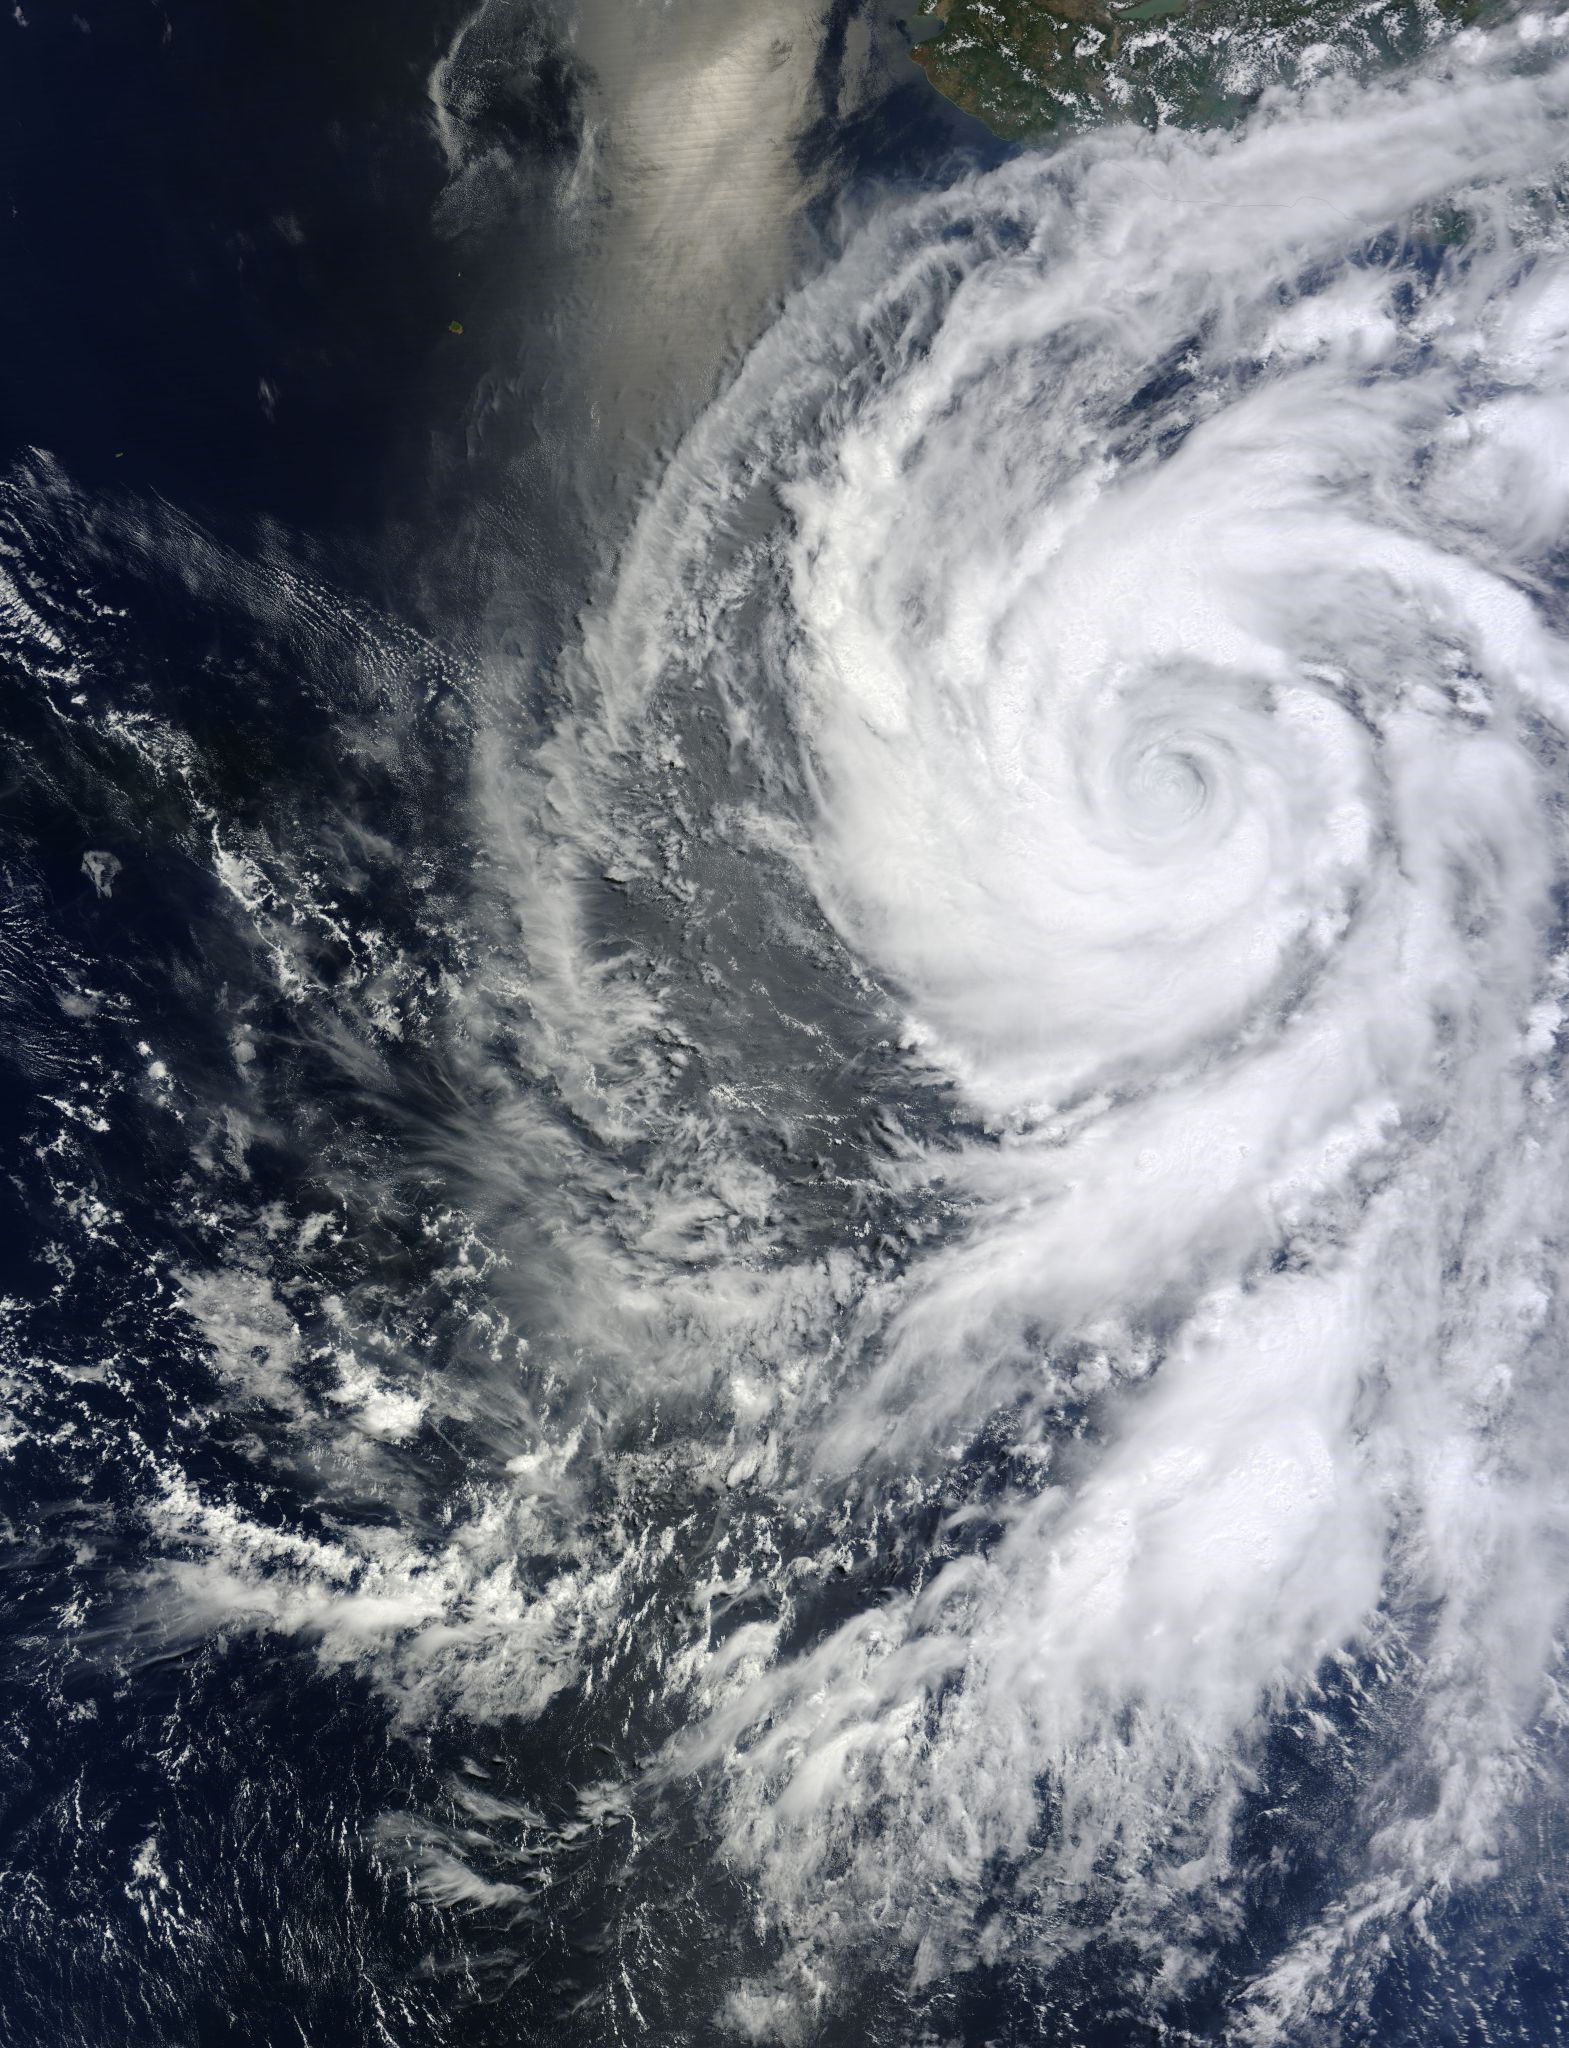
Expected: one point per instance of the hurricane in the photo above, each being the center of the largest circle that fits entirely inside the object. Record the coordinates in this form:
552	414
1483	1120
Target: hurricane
916	1342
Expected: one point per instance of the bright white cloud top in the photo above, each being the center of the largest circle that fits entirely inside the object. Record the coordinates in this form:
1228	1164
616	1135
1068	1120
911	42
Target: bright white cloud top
1108	646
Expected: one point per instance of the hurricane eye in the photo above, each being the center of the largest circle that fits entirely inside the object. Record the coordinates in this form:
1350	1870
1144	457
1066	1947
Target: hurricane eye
1167	789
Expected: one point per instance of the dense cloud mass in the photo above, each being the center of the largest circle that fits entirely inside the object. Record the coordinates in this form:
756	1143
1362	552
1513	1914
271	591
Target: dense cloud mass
1124	593
976	1343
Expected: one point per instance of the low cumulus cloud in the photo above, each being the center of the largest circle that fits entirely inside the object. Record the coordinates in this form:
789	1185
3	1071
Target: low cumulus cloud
1105	648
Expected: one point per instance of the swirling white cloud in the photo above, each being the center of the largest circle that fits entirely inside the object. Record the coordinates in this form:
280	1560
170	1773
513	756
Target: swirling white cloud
1112	631
1154	667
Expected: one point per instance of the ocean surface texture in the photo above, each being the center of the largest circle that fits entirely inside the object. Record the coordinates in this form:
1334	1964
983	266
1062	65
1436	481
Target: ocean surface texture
783	958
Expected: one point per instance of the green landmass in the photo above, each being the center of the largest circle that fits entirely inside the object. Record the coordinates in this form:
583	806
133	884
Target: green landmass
1029	68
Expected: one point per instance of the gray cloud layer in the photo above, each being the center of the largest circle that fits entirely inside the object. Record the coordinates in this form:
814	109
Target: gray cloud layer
1111	633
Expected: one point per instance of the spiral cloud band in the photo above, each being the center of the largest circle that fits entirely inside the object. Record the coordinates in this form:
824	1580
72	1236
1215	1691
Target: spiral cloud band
1124	597
1003	1168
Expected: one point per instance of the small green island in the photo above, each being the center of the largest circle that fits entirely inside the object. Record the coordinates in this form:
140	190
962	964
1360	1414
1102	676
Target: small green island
1031	68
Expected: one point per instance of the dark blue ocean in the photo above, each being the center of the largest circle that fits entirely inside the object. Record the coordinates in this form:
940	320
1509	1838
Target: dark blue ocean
351	1546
